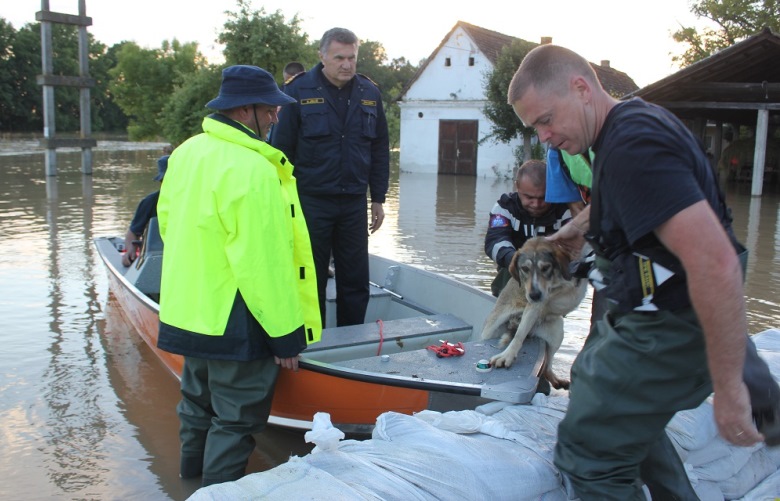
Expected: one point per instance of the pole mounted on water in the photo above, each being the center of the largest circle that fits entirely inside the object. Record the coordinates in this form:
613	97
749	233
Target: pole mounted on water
48	80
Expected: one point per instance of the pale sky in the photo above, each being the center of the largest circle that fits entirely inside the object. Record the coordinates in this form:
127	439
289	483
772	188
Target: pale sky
635	36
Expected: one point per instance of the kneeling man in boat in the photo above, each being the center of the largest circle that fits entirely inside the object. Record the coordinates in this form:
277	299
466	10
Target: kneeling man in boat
238	296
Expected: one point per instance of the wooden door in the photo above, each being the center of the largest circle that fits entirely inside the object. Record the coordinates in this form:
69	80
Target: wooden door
458	147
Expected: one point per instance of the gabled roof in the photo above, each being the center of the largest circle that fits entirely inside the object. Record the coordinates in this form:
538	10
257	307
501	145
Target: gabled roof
728	86
491	43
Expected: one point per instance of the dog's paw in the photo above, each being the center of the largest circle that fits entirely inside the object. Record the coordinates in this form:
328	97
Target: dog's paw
556	382
503	359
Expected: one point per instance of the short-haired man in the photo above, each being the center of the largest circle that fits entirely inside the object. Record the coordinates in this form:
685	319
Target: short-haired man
520	215
291	69
676	330
336	136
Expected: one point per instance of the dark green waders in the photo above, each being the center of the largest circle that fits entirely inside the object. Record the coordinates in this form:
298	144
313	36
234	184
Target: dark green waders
633	373
223	403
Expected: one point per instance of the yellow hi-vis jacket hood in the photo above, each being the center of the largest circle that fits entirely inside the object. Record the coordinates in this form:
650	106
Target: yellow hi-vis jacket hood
231	221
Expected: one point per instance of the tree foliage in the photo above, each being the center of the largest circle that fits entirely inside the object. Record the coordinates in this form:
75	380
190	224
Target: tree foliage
185	109
144	80
265	40
160	93
733	21
21	98
505	126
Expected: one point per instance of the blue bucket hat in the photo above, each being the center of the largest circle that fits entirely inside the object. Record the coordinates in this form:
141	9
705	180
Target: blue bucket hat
162	166
244	84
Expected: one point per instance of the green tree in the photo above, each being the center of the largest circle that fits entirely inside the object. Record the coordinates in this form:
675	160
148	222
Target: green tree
184	112
268	41
12	114
505	125
734	20
21	98
106	113
23	64
144	80
390	78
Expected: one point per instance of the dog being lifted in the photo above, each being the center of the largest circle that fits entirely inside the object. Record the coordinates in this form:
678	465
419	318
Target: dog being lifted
533	303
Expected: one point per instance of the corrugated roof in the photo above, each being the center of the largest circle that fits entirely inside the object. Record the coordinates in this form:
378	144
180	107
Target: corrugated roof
491	43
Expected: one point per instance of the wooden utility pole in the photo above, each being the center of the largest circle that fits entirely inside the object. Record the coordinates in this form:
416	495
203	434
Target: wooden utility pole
49	81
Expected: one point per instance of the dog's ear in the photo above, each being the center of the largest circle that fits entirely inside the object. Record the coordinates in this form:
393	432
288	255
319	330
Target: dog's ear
513	267
562	261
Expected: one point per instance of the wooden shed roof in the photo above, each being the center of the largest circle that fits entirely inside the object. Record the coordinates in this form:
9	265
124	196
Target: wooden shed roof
728	86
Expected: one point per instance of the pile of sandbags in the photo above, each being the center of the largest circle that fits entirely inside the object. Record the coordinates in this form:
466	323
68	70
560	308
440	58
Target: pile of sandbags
717	469
497	451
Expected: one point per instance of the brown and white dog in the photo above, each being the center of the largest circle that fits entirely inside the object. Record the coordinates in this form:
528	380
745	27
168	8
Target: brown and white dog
533	303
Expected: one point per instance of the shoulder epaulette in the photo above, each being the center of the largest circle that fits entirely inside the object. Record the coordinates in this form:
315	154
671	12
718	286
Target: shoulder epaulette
294	77
369	79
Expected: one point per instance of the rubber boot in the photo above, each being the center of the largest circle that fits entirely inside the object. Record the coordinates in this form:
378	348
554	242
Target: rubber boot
664	474
191	466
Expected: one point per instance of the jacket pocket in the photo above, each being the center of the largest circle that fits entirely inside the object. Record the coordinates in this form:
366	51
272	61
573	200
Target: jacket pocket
314	123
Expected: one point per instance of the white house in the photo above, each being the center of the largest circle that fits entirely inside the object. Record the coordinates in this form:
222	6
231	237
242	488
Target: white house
442	119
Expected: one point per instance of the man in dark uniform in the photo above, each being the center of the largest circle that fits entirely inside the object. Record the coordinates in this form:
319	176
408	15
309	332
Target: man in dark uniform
521	215
335	135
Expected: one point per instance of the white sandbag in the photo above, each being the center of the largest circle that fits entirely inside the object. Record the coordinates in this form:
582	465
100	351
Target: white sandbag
727	466
694	428
774	455
454	421
383	470
295	479
768	340
716	450
767	490
759	467
478	464
707	490
768	345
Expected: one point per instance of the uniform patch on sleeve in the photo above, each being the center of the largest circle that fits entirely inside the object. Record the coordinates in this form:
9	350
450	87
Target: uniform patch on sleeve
367	102
498	221
313	100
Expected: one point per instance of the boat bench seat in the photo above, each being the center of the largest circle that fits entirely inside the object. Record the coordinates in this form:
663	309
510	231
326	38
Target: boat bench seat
150	265
438	326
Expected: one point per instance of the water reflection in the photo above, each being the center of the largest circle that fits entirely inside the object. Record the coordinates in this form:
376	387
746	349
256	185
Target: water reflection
88	411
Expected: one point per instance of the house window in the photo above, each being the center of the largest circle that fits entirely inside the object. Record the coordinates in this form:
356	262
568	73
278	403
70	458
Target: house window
447	62
471	61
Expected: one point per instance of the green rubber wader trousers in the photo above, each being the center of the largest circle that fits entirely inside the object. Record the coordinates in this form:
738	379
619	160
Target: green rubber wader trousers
223	403
633	374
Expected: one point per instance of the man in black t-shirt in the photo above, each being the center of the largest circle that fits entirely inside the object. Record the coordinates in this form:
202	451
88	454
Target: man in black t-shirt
676	330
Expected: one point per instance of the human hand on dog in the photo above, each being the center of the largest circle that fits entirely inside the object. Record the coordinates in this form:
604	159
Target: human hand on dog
571	237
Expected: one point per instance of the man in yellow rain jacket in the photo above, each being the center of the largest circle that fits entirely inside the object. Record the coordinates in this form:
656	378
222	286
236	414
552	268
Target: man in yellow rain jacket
238	296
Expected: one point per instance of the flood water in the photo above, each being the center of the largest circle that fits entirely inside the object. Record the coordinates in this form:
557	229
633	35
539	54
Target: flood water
88	412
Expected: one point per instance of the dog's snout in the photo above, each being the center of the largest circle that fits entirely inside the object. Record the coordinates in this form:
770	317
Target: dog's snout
535	295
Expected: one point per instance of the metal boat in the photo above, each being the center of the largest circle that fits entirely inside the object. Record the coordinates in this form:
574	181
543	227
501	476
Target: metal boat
355	373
